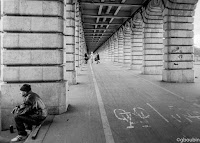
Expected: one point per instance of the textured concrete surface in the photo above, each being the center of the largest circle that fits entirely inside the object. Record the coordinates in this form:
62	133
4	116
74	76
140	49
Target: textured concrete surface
32	24
22	7
54	95
127	90
32	40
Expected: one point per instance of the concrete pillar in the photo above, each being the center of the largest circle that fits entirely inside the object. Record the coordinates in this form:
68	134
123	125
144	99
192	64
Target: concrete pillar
82	48
77	50
109	50
153	39
178	42
69	41
102	53
32	52
116	52
137	43
121	45
127	45
82	45
112	48
106	51
0	74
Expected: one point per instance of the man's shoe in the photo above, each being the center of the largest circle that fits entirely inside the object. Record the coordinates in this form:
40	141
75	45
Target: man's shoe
18	138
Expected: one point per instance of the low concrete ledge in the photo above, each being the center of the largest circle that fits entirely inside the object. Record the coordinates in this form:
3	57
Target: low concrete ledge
54	95
42	132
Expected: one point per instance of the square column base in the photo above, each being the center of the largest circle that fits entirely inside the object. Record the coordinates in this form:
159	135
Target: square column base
181	76
154	70
126	65
71	76
136	67
54	95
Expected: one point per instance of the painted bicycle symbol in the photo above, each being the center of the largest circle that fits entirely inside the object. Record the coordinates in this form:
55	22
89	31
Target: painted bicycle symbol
138	116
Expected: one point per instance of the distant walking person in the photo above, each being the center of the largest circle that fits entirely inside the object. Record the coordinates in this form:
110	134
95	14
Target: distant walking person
97	58
91	57
86	58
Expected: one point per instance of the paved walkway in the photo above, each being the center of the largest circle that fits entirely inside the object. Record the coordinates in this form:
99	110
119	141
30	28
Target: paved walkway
111	104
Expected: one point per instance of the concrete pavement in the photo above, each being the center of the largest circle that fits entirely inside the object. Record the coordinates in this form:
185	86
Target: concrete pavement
139	108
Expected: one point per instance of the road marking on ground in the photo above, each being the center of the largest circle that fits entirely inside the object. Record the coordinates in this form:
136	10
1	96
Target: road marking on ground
138	113
157	112
160	87
106	126
195	104
163	88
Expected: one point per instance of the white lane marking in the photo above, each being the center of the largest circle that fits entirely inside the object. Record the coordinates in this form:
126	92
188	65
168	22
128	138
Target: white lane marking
157	112
165	89
195	104
188	119
106	126
176	118
161	87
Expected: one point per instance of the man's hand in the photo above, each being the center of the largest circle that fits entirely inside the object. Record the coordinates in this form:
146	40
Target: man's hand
14	110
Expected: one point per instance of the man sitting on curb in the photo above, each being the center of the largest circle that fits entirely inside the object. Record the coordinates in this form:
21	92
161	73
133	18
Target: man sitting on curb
31	112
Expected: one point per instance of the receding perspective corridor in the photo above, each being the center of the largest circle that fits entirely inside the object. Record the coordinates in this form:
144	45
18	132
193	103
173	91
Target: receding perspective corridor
111	104
146	88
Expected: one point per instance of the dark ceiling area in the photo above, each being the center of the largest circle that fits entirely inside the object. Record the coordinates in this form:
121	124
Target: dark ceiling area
102	18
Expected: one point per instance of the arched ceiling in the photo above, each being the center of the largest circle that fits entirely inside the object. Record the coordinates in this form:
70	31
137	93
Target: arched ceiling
102	18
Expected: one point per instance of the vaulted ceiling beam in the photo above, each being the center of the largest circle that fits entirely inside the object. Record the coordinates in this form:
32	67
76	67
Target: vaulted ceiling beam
112	4
87	23
105	16
98	29
96	35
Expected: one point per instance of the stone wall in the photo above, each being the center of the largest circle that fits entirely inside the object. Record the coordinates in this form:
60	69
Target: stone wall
161	40
32	52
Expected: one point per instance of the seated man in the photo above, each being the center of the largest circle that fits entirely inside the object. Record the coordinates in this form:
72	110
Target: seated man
31	112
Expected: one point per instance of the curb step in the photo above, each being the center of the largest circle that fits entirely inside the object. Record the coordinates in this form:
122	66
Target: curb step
42	131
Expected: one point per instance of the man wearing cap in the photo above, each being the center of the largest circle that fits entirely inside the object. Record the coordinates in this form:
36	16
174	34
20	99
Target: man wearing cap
31	112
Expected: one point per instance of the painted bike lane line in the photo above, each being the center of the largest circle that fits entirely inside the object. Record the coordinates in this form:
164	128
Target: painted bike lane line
106	126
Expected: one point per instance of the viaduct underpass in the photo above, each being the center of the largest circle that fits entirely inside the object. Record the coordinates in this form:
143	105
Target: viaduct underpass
143	90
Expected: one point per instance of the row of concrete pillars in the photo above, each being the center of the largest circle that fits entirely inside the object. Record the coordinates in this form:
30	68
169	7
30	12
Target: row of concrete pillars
42	43
157	40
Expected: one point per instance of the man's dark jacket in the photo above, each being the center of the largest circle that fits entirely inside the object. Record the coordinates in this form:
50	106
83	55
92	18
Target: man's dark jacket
33	106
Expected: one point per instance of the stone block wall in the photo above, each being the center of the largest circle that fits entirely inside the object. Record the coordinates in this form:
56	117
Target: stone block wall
178	42
162	40
121	46
32	52
127	45
137	37
116	50
153	38
112	45
54	95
